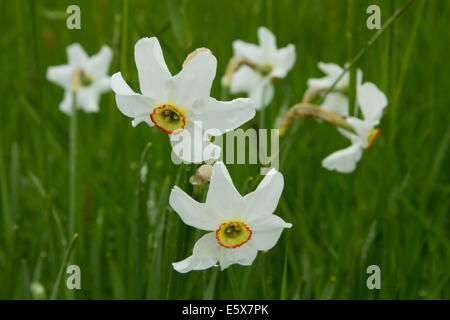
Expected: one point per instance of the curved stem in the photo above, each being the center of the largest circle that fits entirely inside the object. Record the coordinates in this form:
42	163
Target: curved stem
311	110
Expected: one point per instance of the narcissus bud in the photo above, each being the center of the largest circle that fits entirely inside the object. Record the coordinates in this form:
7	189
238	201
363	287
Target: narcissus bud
202	175
38	291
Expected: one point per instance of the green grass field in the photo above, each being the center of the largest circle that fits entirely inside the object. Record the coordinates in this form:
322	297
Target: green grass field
393	211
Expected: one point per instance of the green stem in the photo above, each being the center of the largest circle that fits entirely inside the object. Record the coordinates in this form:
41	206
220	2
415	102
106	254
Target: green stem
63	266
262	110
138	231
7	216
351	45
124	37
73	167
283	293
41	96
368	44
404	67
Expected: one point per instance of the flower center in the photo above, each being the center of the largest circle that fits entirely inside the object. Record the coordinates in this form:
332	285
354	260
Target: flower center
265	69
233	234
168	118
371	138
81	78
85	79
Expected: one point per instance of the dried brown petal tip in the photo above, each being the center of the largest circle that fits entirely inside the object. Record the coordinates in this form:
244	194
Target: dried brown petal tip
193	53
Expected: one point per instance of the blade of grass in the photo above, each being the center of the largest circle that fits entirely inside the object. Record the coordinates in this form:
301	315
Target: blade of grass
283	294
57	283
14	182
351	45
7	217
368	44
124	37
180	25
73	223
406	57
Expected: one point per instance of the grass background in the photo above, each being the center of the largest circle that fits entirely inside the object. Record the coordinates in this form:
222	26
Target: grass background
393	211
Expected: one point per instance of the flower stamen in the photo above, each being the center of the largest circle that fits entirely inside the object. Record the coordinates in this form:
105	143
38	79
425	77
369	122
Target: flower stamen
233	234
168	118
371	138
265	69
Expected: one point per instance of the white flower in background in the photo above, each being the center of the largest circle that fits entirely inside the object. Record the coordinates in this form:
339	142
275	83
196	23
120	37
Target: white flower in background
271	63
180	105
371	101
335	101
88	75
239	226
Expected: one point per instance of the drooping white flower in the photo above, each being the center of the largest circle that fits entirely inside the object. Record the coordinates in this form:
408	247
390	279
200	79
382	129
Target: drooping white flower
239	226
271	63
180	105
92	81
371	101
337	100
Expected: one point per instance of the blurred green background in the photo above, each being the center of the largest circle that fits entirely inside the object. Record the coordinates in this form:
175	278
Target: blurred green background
393	211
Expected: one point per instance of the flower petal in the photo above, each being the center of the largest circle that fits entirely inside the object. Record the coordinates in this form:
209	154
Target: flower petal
98	64
204	256
152	69
76	55
262	95
249	51
372	102
224	116
61	75
103	84
244	255
194	80
336	102
87	99
332	72
193	146
264	200
270	222
130	103
222	195
267	232
192	213
330	69
344	160
284	61
267	42
362	129
245	79
66	104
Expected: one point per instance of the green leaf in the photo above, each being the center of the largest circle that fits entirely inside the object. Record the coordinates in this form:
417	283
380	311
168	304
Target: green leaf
179	22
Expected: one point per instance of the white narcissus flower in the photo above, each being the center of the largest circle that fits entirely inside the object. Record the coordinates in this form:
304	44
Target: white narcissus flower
92	81
272	63
335	101
180	105
239	226
371	101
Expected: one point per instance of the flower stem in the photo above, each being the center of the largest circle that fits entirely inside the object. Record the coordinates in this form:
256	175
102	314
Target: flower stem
262	110
124	37
311	110
73	166
351	45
